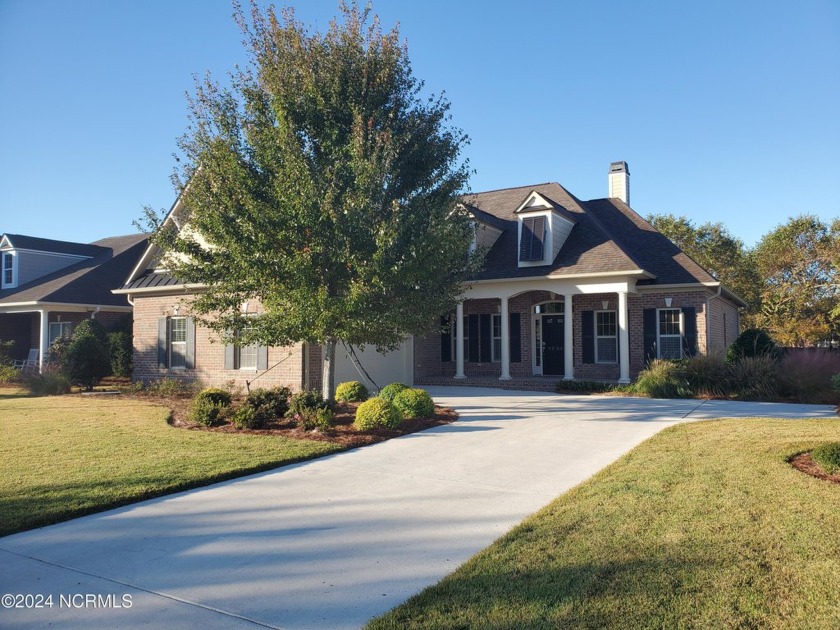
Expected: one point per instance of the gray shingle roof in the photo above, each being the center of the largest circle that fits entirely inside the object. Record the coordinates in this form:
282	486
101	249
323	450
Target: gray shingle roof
608	236
88	281
21	241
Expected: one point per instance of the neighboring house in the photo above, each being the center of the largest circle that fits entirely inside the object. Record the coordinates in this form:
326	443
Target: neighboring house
49	286
570	289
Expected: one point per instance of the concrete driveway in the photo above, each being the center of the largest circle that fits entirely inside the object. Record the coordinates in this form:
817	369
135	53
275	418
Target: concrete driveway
333	542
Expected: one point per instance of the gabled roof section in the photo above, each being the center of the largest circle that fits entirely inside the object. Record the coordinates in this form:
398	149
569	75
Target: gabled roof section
588	250
88	281
34	243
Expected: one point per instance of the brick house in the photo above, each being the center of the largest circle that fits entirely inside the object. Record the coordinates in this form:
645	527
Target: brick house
581	290
48	286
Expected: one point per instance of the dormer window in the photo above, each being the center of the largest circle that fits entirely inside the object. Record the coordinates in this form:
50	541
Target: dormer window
532	241
9	272
543	228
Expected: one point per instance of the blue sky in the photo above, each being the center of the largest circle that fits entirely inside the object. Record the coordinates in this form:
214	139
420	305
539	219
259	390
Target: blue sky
725	111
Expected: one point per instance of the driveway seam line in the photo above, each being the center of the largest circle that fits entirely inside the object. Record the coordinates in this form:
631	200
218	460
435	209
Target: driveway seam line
703	402
142	589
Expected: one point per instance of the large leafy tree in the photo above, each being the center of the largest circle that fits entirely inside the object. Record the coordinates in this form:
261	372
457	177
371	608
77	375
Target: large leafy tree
723	255
323	184
799	262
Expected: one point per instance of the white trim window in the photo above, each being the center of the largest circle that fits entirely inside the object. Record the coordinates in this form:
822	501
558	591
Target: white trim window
9	271
247	354
178	343
669	333
606	337
59	329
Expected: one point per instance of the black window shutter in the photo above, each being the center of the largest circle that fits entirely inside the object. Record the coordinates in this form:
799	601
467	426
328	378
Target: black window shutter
162	346
262	357
690	331
190	358
515	326
473	350
587	333
539	236
526	239
649	325
485	336
445	339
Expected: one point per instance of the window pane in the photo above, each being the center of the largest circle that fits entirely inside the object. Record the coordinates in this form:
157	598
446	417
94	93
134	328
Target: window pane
497	350
179	329
248	357
670	347
178	342
607	352
606	324
669	321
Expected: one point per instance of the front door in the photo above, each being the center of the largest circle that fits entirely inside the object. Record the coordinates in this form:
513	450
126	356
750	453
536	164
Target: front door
552	337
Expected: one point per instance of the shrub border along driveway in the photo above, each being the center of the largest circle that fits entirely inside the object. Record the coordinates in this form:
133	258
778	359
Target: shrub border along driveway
336	541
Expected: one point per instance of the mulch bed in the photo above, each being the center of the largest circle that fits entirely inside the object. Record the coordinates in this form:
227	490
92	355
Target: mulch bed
805	463
342	432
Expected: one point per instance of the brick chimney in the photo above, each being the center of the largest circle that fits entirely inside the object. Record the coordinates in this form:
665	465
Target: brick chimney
620	182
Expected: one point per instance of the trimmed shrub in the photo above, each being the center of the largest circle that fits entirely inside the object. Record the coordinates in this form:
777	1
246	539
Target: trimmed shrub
214	395
389	391
805	376
48	384
415	403
377	413
269	404
321	419
206	411
707	375
756	378
91	327
828	456
753	342
835	383
245	417
121	353
352	391
662	379
86	361
307	400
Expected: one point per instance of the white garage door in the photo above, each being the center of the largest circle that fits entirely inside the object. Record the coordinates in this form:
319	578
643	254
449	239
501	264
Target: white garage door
396	366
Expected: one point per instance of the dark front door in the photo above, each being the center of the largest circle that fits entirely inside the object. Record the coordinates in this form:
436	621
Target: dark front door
552	330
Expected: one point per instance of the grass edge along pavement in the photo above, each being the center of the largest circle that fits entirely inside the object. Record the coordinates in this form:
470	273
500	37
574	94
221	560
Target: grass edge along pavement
704	525
68	456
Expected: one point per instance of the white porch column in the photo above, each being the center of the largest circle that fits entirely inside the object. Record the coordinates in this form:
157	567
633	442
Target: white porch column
505	342
623	340
568	339
459	341
45	339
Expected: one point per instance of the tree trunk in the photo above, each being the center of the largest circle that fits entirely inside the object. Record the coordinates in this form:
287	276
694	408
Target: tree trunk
328	372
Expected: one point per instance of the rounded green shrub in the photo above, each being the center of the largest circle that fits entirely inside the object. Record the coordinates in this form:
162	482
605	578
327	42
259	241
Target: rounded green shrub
835	382
245	417
215	395
753	342
205	411
306	401
269	404
828	456
87	360
352	391
389	391
415	403
377	413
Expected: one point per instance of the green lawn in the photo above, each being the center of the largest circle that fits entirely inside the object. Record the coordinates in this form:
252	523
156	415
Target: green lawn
703	526
65	456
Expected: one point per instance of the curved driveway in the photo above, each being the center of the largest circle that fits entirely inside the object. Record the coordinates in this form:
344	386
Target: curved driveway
333	542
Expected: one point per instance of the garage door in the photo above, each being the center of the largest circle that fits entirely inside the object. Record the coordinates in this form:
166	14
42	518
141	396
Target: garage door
382	368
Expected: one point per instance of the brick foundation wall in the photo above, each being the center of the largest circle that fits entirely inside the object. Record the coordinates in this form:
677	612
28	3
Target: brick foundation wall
209	353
